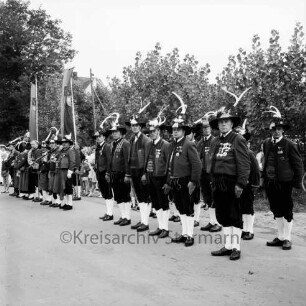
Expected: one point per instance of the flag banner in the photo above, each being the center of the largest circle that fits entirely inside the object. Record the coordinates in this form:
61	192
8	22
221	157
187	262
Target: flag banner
67	109
33	113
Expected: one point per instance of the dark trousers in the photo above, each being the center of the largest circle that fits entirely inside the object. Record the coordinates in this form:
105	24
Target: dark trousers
247	201
121	190
227	205
141	190
104	186
182	199
33	180
206	188
68	186
279	196
158	197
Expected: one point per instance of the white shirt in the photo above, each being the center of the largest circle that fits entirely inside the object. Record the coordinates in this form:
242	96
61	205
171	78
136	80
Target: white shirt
156	141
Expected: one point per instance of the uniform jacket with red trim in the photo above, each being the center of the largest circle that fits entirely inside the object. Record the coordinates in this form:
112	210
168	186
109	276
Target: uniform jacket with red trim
203	148
184	160
102	157
287	161
141	142
120	150
160	157
230	156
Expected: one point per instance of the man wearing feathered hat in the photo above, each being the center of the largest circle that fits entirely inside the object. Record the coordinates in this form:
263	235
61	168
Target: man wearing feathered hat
184	171
247	196
203	147
136	168
155	174
117	169
282	170
230	170
65	165
102	159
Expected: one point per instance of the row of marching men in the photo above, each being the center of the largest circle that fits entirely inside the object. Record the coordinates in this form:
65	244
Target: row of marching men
223	168
44	172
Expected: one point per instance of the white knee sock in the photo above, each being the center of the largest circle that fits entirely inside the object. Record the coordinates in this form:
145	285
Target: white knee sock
122	210
197	212
184	227
227	233
110	206
236	237
147	211
287	229
127	207
159	215
165	218
212	216
250	223
190	225
245	223
280	228
69	199
79	189
141	210
107	207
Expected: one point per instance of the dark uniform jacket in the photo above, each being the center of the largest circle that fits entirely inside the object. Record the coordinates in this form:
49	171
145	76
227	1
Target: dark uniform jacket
52	157
137	158
282	161
119	156
21	161
229	156
184	160
157	155
203	148
66	159
102	157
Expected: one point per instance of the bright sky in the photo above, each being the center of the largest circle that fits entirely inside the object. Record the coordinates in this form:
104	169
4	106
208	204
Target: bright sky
107	34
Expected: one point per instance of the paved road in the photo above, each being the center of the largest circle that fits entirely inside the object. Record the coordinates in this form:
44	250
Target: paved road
36	268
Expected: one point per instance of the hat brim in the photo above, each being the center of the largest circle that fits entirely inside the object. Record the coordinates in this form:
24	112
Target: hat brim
141	124
214	123
121	129
67	140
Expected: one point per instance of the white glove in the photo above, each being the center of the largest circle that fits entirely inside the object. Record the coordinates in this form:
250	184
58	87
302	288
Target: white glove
69	173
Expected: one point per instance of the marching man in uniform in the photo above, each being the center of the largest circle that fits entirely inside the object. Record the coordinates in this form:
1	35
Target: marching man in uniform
63	181
155	175
138	143
116	172
230	169
203	147
184	172
282	170
102	160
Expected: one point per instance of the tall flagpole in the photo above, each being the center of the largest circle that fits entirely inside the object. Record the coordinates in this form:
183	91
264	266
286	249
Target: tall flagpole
93	101
73	115
36	111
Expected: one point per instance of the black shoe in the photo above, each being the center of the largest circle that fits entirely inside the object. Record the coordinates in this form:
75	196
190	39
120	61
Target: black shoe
221	252
248	236
76	199
37	200
157	232
153	215
275	242
136	225
206	227
243	234
143	228
163	234
29	199
235	254
118	222
14	194
60	206
215	228
196	223
177	219
108	218
287	245
172	218
189	242
67	207
44	203
125	222
179	239
103	217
